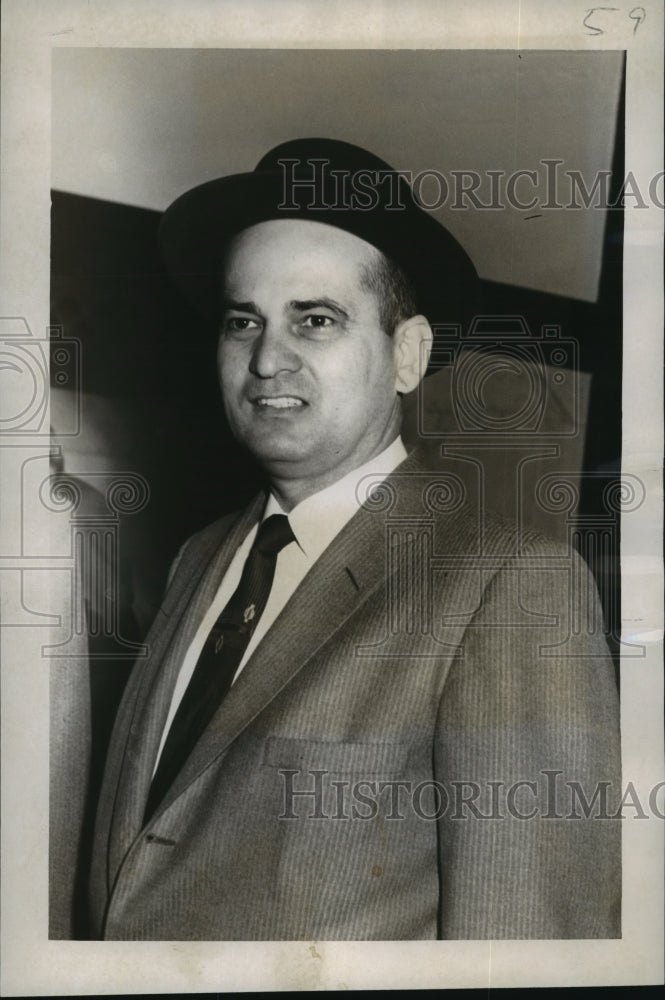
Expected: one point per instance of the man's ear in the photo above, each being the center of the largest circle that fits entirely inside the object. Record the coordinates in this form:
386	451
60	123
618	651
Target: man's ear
413	346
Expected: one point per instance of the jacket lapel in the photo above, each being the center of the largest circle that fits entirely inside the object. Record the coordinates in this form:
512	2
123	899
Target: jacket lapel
201	574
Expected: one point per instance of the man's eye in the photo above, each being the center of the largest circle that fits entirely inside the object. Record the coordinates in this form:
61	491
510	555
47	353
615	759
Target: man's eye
316	321
240	324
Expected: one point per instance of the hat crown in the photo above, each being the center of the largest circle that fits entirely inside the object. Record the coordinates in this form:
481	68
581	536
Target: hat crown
340	156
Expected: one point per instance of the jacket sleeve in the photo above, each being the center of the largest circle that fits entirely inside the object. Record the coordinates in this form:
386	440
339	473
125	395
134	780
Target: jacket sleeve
527	749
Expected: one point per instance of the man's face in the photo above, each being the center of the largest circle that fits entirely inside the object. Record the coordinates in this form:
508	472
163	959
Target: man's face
308	376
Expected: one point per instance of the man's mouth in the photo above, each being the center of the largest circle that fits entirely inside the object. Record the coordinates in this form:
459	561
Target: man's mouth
279	402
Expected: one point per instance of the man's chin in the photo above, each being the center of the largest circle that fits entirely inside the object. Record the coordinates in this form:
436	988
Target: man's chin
275	453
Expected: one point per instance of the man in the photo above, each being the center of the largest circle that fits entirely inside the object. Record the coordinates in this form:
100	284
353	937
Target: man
357	724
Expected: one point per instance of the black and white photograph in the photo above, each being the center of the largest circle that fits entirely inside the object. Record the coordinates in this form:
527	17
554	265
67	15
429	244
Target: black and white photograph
331	465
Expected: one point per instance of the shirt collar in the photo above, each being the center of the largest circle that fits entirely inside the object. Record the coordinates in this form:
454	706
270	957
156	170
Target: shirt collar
316	520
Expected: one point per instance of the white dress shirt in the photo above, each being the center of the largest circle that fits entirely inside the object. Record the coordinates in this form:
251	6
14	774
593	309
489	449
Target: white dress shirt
315	522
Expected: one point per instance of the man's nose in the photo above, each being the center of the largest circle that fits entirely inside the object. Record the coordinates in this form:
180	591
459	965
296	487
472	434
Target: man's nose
273	353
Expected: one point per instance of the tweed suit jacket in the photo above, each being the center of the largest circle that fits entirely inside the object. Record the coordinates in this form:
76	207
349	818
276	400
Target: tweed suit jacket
395	760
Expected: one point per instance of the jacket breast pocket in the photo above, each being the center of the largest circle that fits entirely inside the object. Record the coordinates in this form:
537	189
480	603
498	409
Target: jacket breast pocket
371	759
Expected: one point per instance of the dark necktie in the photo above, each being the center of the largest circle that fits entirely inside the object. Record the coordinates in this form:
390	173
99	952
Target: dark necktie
221	654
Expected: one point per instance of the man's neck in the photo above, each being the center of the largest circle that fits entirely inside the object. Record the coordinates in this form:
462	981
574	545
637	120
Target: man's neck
290	492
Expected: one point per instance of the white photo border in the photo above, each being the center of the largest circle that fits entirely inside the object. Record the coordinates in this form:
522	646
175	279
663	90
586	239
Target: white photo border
33	965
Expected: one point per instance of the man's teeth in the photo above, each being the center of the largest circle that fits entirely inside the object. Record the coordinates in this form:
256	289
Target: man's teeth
280	402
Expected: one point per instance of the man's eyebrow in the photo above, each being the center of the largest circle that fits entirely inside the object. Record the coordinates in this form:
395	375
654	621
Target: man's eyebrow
300	305
247	307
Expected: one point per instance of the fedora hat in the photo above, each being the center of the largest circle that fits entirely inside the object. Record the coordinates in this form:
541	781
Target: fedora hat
327	181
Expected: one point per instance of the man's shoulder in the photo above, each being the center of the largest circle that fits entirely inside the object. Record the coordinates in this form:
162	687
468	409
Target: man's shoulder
464	525
215	532
205	542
